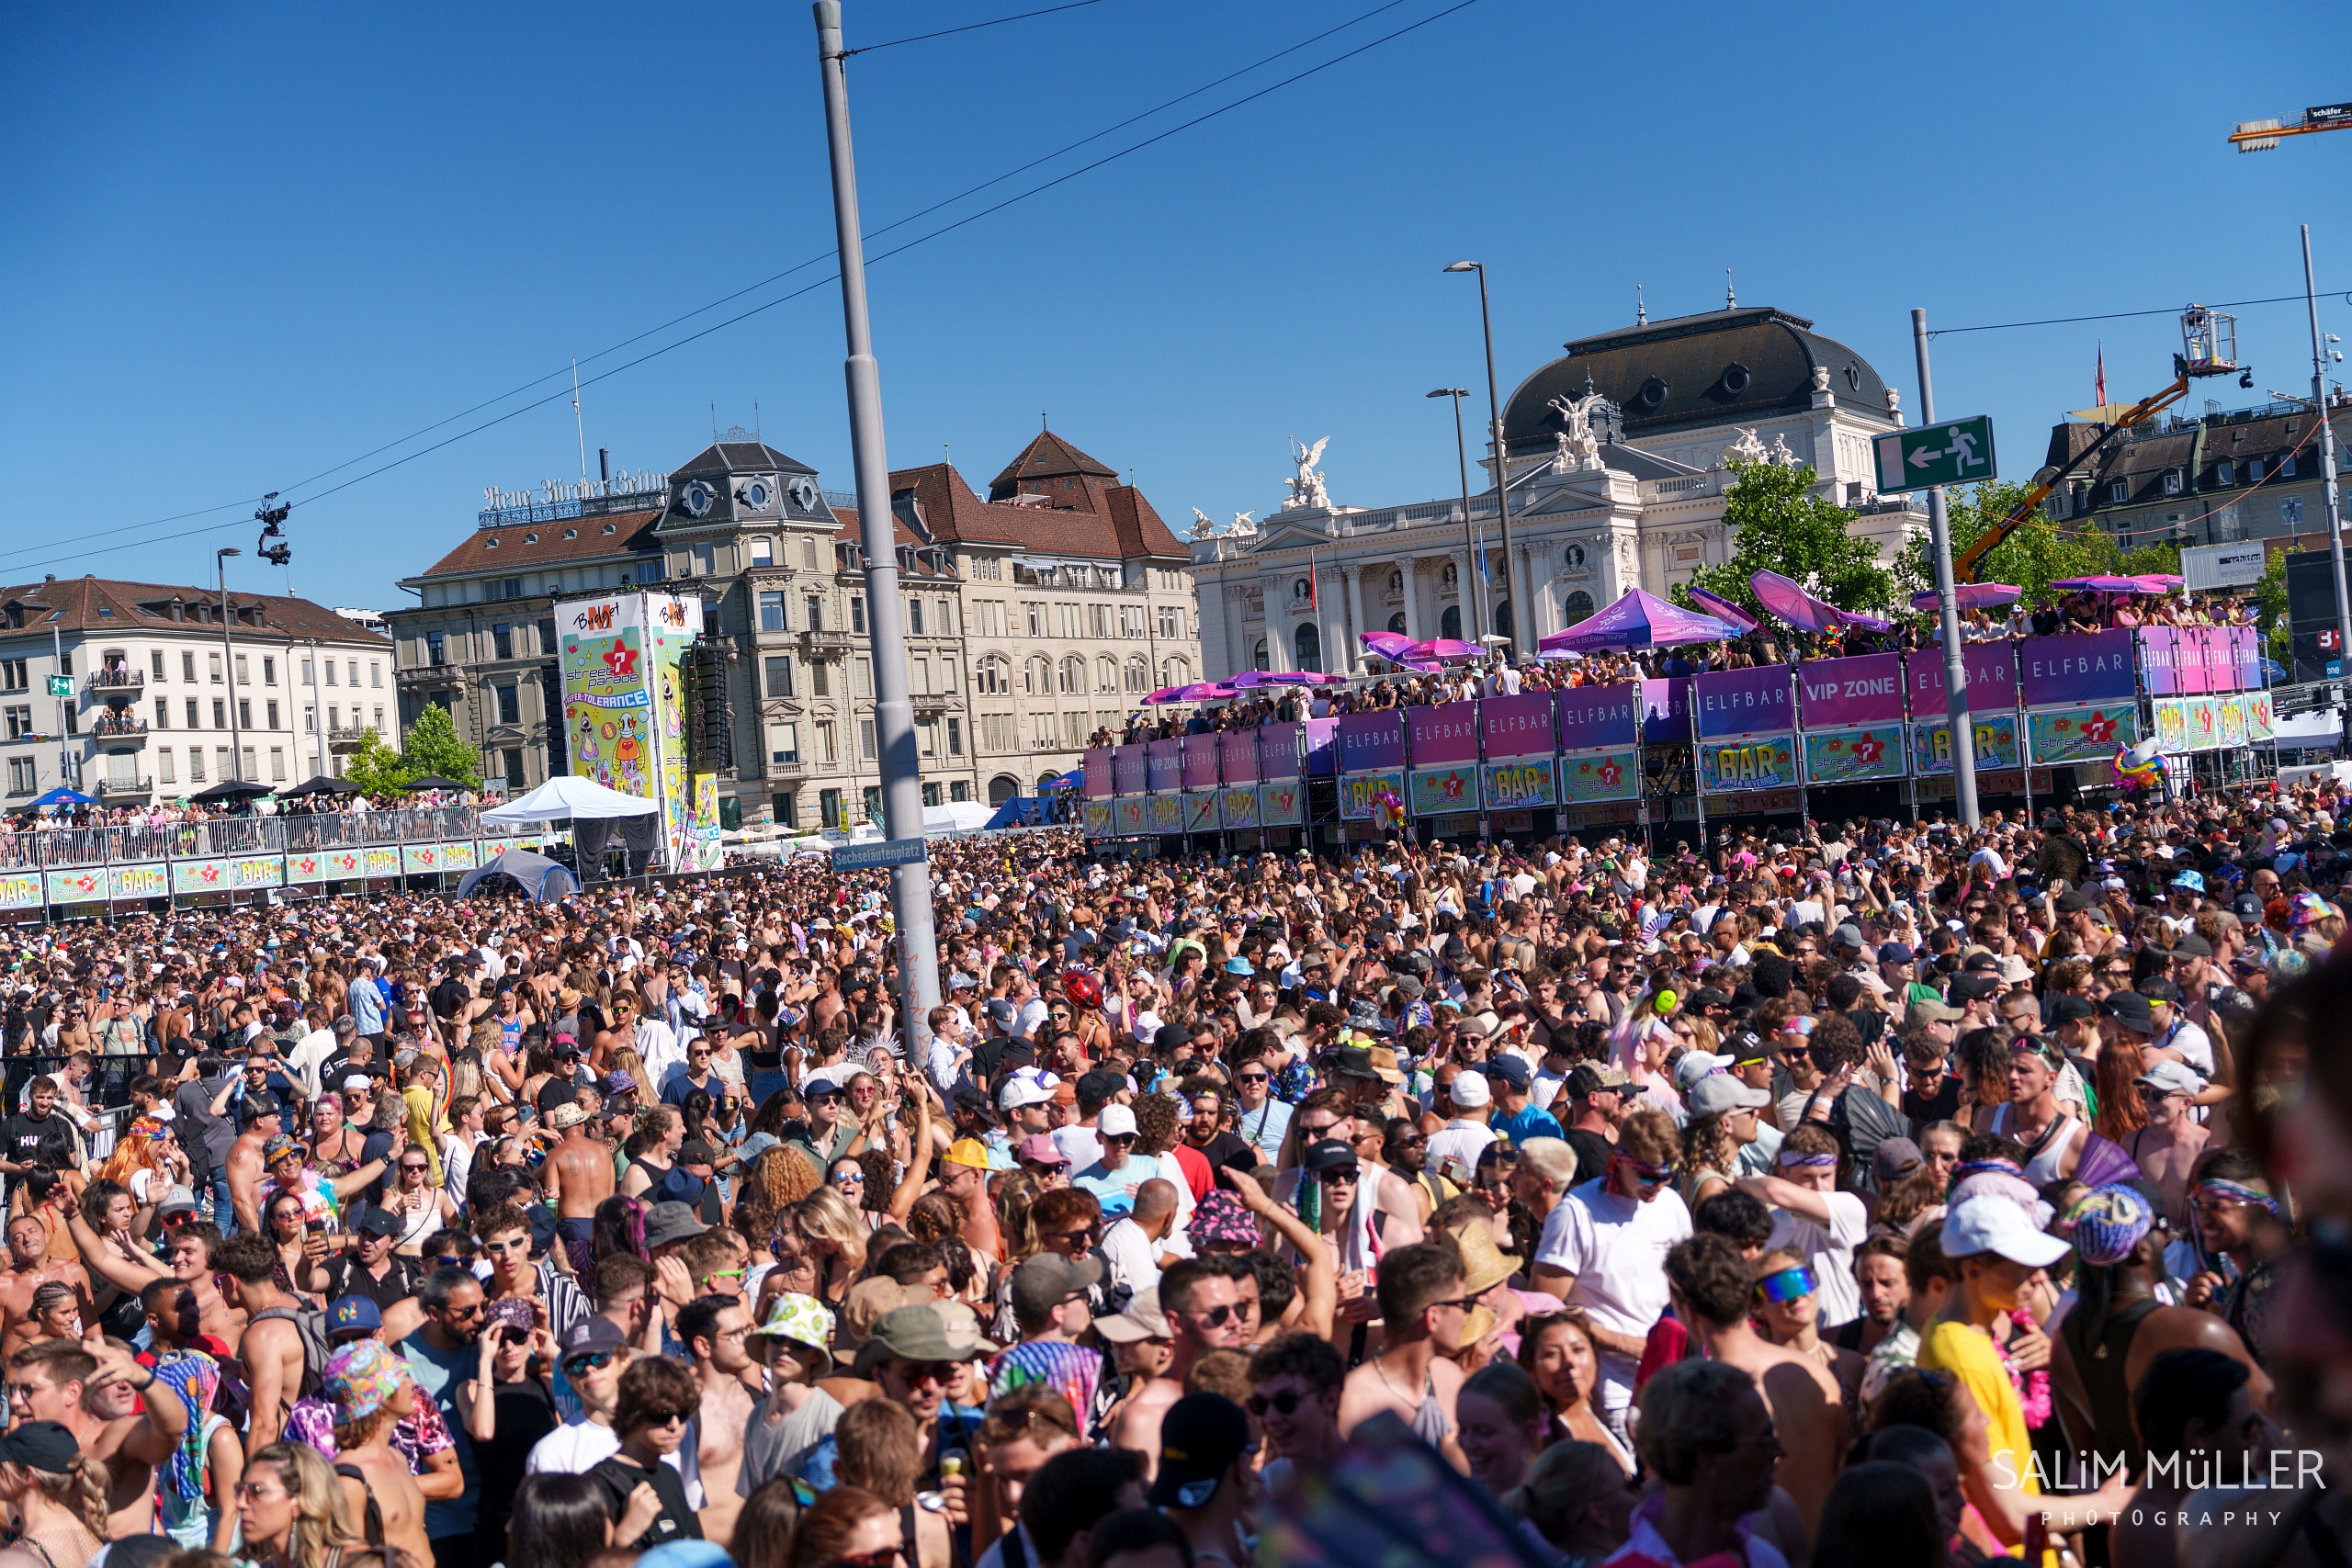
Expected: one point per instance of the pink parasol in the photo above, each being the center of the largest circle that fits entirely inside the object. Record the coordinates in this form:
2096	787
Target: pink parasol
1723	609
1394	647
1196	692
1972	596
1251	680
1786	600
1446	651
1637	620
2104	585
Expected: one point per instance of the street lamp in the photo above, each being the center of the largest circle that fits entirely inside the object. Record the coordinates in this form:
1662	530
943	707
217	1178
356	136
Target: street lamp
229	654
1494	402
1469	539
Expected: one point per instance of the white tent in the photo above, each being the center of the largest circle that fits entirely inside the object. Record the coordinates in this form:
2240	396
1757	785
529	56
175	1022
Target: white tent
564	798
955	816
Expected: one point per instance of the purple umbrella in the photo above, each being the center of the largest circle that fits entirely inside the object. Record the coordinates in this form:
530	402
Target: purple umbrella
2158	581
1445	649
1253	679
2104	585
1972	596
1723	609
1785	601
1197	692
1394	647
1637	620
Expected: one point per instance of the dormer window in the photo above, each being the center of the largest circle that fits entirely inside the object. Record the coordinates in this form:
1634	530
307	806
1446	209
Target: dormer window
490	543
609	528
571	532
2172	481
2254	470
530	538
2225	472
2120	492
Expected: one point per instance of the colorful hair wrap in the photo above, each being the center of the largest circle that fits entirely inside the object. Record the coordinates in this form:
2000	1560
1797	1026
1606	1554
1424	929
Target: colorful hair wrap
2108	1223
196	1378
1790	1157
361	1377
2238	1192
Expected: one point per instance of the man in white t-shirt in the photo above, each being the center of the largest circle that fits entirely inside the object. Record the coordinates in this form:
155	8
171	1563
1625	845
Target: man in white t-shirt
594	1354
1604	1251
1814	1220
1131	1246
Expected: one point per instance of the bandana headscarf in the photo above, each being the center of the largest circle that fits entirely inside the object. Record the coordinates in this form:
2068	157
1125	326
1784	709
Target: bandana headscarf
361	1377
196	1378
136	1152
2108	1223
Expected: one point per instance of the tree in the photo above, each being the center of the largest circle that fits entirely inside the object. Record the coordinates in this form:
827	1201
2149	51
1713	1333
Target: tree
1779	523
2036	553
376	768
2270	605
433	747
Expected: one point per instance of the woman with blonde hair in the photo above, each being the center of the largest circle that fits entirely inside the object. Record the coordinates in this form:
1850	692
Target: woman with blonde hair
59	1493
837	1240
785	1175
291	1510
879	1448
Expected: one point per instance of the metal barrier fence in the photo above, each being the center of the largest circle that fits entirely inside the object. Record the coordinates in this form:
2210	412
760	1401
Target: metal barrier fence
40	849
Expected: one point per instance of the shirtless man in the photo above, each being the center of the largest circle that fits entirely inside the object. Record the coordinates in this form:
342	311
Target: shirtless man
271	1347
91	1388
369	1384
2168	1147
715	1329
1713	1287
244	1164
578	1176
1201	1298
32	1269
1422	1312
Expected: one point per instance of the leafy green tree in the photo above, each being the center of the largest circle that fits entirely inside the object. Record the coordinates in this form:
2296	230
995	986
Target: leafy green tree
1778	522
2270	603
2036	553
376	768
433	747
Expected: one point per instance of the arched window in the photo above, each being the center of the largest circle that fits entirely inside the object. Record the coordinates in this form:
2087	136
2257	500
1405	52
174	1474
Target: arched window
1002	788
1106	674
1175	671
1046	778
1502	619
1037	677
1073	676
1578	606
993	677
1449	623
1310	644
1138	674
1397	623
1258	657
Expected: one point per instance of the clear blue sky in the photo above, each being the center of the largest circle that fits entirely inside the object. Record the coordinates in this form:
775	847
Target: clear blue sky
248	242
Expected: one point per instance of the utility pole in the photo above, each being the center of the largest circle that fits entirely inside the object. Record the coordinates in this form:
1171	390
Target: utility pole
1964	734
318	712
2327	465
1469	535
68	775
893	712
1502	493
229	658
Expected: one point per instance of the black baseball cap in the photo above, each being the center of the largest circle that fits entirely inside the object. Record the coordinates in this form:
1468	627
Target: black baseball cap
1199	1439
2130	1009
48	1447
2069	1010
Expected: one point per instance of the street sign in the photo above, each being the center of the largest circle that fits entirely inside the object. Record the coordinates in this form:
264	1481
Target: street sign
60	685
1960	452
877	852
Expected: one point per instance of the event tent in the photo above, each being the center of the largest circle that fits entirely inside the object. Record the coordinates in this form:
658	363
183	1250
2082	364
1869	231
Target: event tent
543	879
564	798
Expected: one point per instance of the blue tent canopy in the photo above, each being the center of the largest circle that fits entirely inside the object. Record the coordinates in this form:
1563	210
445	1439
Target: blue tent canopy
542	879
1074	779
60	795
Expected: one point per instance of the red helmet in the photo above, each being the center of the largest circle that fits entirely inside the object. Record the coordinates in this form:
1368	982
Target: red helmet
1083	990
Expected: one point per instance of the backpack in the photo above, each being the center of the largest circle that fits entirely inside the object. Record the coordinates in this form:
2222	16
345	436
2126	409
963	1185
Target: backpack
312	1328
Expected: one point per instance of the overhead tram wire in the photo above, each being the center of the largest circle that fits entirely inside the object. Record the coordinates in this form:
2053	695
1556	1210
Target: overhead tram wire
971	26
2119	315
819	282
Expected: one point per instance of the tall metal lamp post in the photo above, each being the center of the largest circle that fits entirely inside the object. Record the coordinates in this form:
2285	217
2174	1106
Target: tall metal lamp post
1469	539
229	656
1494	403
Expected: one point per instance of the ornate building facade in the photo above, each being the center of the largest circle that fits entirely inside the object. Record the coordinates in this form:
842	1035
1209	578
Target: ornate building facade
1615	471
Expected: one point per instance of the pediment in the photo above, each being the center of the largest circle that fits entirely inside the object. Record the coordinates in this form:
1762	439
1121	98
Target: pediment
1281	536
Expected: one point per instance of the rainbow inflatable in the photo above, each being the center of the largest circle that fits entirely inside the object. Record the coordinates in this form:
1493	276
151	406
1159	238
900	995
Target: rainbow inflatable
2139	767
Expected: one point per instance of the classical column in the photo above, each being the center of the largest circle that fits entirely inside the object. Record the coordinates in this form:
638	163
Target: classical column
1276	593
1523	595
1411	567
1465	578
1331	617
1344	659
1237	628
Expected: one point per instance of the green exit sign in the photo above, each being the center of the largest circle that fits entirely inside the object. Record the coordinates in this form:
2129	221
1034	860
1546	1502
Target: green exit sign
60	685
1957	453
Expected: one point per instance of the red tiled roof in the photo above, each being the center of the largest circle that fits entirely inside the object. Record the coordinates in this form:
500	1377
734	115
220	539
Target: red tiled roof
1048	456
1125	525
98	606
524	546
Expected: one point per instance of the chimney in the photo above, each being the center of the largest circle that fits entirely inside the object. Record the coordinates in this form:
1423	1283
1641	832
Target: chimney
605	464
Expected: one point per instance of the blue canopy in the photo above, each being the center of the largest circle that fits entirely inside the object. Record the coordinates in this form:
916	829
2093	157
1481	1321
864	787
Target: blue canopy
1074	779
543	879
60	795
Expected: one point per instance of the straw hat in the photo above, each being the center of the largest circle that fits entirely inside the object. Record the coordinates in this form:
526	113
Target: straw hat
1485	1265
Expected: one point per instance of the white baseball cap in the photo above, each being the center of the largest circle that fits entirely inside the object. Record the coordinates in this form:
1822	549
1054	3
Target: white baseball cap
1030	1086
1470	1091
1116	1122
2172	1078
1697	1065
1989	1223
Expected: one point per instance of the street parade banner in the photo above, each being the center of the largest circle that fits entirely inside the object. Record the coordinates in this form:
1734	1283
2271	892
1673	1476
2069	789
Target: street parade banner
1518	727
1130	771
1445	791
1198	753
1359	792
2203	724
421	860
1861	754
1282	802
1200	810
82	884
1990	668
1167	812
1369	740
1319	740
383	860
1745	702
20	890
269	871
199	876
1996	743
1518	784
1164	761
1130	816
2172	725
2230	714
1845	693
1747	762
1443	734
1590	776
1237	755
2261	723
1666	711
2090	667
1589	718
1098	773
2089	733
151	880
1098	819
1282	749
1238	806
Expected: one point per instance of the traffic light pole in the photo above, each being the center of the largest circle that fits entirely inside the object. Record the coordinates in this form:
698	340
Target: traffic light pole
893	710
1963	733
2327	466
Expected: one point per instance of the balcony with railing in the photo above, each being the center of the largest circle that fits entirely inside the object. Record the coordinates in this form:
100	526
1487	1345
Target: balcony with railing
345	737
115	680
112	789
120	726
826	641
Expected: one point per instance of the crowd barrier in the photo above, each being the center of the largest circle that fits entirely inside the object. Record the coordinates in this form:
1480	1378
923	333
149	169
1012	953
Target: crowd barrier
1757	738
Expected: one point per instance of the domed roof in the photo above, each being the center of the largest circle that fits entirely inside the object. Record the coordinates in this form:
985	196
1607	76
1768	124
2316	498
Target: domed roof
1720	368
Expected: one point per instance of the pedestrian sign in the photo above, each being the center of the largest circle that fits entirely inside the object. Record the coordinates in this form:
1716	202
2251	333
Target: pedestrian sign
60	685
875	854
1960	452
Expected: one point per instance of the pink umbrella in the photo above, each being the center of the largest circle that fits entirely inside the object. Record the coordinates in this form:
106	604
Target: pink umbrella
1253	679
1723	609
2158	581
2104	585
1637	620
1971	596
1786	600
1445	649
1394	647
1197	692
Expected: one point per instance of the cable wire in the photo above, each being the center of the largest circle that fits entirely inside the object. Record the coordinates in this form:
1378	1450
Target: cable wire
971	28
2120	315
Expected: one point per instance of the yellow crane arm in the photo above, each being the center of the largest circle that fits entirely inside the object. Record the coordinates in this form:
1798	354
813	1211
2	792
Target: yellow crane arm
1963	567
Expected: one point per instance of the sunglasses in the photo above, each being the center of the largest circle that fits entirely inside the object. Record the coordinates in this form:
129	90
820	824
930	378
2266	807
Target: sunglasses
1786	1286
1254	1077
940	1372
594	1361
1648	1175
667	1417
1218	1317
849	1178
1281	1404
1337	1178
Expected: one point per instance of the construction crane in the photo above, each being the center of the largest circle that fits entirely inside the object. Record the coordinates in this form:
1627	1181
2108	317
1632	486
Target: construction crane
2209	341
2262	135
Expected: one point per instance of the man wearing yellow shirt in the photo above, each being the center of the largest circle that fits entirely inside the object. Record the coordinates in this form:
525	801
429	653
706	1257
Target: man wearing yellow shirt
1993	1245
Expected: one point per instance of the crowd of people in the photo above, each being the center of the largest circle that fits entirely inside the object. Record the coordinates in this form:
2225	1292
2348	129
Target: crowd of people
1880	1194
1496	675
